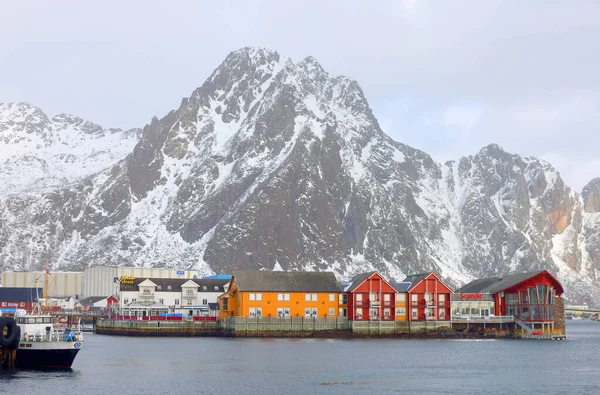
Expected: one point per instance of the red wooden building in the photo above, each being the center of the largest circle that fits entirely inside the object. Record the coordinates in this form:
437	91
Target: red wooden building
529	297
428	298
371	298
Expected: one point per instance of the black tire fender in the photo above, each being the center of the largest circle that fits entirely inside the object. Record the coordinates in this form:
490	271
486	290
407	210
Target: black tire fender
12	334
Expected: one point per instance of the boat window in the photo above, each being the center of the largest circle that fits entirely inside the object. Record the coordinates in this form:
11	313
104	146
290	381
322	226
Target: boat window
47	320
31	320
39	320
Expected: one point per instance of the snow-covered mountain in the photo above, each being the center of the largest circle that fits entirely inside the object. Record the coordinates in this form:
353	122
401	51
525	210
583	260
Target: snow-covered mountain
38	154
272	164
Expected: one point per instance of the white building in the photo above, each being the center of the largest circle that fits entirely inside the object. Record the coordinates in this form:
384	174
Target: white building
191	298
104	280
60	284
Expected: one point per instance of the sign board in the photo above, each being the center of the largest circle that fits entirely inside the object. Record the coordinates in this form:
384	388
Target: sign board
125	279
471	296
180	272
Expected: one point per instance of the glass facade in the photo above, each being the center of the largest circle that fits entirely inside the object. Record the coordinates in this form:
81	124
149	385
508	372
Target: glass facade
532	304
472	305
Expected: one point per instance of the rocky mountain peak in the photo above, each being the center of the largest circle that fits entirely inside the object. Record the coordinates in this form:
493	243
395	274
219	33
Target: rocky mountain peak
591	196
21	118
64	121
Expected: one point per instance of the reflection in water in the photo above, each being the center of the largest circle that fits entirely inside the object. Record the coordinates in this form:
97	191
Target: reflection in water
114	365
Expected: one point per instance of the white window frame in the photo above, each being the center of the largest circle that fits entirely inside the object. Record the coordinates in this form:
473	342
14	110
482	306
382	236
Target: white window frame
401	297
332	297
283	312
255	312
401	311
387	297
204	302
176	302
283	297
414	313
359	312
161	301
311	312
387	313
331	311
255	296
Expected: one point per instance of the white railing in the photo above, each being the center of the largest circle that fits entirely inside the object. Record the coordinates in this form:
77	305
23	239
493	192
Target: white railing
489	318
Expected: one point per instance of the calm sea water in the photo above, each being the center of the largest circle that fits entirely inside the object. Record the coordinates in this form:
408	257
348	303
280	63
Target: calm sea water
114	365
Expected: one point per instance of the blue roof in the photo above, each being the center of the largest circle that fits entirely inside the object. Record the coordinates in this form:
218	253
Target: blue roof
219	277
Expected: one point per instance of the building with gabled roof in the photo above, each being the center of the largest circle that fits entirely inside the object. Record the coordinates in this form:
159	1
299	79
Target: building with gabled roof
372	298
429	297
531	297
281	294
188	297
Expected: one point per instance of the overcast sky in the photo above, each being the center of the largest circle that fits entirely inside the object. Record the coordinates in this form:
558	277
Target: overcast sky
447	77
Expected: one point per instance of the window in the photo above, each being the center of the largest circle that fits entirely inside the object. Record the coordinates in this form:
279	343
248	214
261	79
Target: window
159	287
189	292
255	296
134	299
428	297
126	300
442	313
189	302
359	313
310	297
415	313
169	287
401	298
442	299
332	297
225	304
204	288
255	312
359	299
414	298
161	301
386	299
374	297
283	297
386	313
331	311
216	287
343	298
374	312
310	312
283	312
205	301
176	302
401	311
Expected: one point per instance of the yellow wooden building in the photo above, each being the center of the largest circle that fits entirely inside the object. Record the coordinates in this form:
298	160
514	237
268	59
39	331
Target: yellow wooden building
281	294
401	300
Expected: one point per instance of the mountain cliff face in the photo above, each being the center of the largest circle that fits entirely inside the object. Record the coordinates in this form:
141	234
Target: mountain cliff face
276	165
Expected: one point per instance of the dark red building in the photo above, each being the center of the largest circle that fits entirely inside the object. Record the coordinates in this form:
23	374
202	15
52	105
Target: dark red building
12	298
428	298
529	297
371	298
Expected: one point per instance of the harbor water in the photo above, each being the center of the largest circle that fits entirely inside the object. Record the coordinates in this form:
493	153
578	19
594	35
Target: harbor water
115	365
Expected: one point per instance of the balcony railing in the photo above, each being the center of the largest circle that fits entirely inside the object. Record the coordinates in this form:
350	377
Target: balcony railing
189	296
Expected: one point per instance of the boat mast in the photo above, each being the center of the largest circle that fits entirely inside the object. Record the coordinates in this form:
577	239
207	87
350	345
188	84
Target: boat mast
46	286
